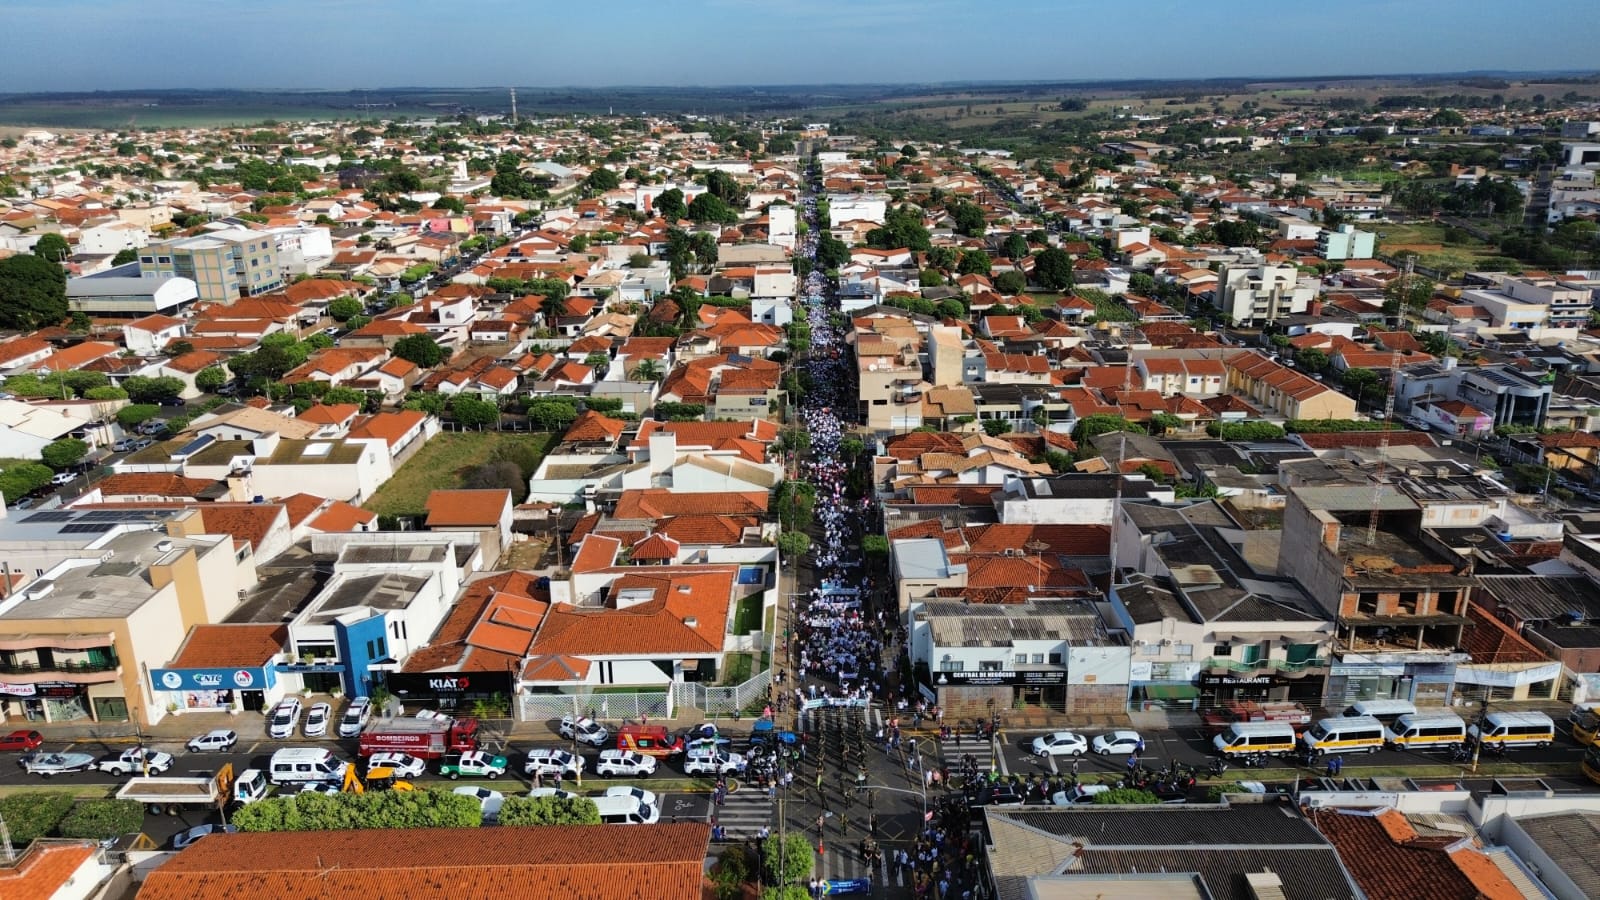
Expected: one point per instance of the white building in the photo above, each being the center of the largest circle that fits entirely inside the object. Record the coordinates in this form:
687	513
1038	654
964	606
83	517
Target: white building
1346	242
781	227
122	292
856	208
1259	294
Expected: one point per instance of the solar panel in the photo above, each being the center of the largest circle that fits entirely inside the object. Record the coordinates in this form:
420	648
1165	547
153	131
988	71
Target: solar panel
103	515
85	528
45	517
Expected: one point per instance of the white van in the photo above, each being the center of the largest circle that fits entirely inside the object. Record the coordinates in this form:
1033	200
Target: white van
1241	738
297	765
1514	729
1426	731
1345	734
626	809
1385	711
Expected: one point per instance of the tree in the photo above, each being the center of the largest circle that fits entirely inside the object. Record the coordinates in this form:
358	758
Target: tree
1010	282
996	427
33	292
552	413
852	447
711	208
450	204
64	454
1053	268
1311	359
1161	423
177	349
21	479
421	349
974	262
874	545
549	811
1358	380
968	218
100	820
34	814
53	247
902	227
831	252
1092	426
602	180
787	859
597	360
211	379
731	872
124	256
474	412
1016	246
794	543
343	309
132	415
670	205
498	474
1126	797
375	809
647	370
160	389
105	393
794	504
338	396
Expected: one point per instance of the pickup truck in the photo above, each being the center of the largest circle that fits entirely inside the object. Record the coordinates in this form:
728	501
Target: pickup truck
135	759
474	764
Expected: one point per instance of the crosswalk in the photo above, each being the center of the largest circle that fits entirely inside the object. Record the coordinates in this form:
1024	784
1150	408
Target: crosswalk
744	812
841	861
981	749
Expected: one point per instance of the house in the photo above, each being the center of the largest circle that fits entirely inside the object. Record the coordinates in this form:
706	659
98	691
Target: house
149	335
486	511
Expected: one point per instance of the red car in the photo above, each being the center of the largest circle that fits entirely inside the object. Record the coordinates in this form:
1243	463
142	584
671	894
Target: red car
21	740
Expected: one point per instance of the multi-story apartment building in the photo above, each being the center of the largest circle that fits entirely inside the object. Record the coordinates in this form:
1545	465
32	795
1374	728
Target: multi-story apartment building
889	365
1535	305
1346	242
1506	394
224	265
1258	294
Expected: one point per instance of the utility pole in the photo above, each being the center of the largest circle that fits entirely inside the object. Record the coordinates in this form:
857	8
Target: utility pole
513	107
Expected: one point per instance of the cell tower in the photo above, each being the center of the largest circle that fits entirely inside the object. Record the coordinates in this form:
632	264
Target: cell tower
513	107
1383	447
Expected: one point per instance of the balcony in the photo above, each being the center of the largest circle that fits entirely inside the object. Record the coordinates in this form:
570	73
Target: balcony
1266	665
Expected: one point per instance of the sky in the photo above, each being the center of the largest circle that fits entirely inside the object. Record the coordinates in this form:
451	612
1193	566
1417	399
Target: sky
283	44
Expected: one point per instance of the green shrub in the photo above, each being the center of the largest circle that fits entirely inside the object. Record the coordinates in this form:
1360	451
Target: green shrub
34	814
99	820
549	811
378	809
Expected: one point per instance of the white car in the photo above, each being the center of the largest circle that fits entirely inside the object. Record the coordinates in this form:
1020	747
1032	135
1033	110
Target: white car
61	478
317	719
488	801
557	793
553	762
623	790
216	741
355	717
1117	742
712	762
1080	793
320	787
404	764
584	730
624	762
283	718
1061	743
135	759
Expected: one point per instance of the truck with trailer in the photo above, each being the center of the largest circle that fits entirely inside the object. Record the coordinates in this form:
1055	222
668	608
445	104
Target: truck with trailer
170	796
428	735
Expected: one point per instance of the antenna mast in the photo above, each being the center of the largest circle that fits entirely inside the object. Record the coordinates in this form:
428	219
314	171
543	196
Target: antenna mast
513	107
1383	445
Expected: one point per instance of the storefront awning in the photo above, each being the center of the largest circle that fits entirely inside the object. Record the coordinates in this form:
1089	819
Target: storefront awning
1170	692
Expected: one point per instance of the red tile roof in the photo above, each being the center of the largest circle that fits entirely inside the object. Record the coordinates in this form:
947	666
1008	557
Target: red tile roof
45	870
227	646
1390	861
467	508
573	862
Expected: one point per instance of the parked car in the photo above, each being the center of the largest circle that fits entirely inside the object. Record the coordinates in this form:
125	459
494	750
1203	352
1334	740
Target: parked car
543	761
21	739
584	730
404	764
152	427
488	801
320	787
1117	742
24	503
624	762
218	741
135	759
1061	743
648	798
282	720
124	445
706	731
1078	793
48	764
473	764
61	478
317	719
710	761
355	717
184	838
553	792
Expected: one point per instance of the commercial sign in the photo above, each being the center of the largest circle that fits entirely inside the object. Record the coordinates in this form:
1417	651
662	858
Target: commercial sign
1236	679
227	679
13	689
435	683
1001	676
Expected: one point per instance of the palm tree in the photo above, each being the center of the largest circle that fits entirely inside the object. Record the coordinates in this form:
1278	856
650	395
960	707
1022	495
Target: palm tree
553	307
647	370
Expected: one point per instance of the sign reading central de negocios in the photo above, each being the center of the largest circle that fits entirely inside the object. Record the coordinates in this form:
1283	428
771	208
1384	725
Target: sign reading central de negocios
242	678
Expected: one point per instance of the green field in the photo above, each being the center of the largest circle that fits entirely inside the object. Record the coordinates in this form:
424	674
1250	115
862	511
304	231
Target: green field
443	465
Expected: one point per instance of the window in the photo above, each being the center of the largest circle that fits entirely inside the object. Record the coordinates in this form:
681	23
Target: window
1055	659
1222	649
1038	659
991	665
952	665
1022	659
1152	649
1183	650
1367	603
